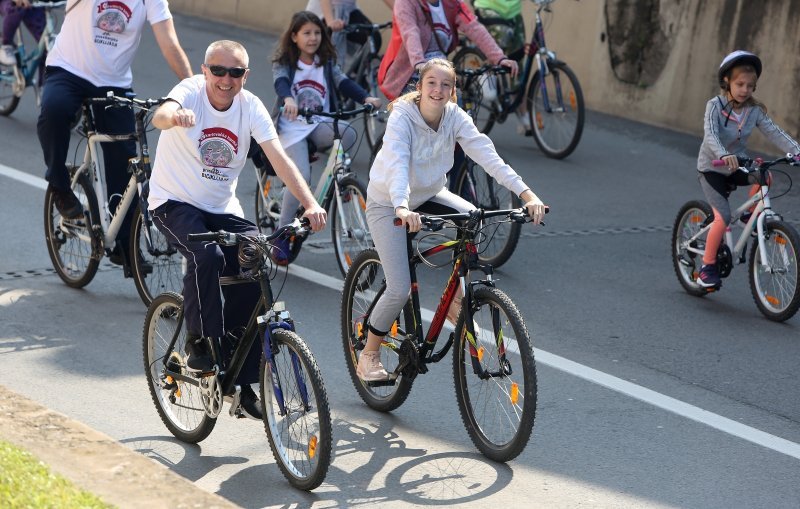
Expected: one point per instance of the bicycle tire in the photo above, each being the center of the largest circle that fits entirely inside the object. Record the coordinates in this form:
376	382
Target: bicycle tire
375	122
361	286
501	427
501	236
483	113
157	269
180	407
8	99
776	292
267	215
557	133
348	243
688	222
73	249
300	439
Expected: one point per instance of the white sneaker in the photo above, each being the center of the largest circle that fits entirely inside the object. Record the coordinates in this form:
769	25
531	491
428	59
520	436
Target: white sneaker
8	55
370	368
489	87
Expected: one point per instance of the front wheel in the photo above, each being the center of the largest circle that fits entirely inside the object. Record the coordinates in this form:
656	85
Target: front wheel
481	100
156	266
693	217
775	286
349	224
363	285
556	110
297	416
8	85
72	248
179	403
499	237
495	376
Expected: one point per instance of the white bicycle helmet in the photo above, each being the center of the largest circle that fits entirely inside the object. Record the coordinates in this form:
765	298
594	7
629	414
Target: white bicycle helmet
738	57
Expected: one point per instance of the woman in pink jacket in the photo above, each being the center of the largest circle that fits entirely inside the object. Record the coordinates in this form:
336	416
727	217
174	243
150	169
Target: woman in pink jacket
425	29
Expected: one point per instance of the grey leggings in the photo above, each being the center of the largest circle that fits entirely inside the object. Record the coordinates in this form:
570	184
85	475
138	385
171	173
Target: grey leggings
390	242
322	138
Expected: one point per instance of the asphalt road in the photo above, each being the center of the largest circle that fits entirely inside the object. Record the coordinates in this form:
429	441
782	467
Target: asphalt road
648	397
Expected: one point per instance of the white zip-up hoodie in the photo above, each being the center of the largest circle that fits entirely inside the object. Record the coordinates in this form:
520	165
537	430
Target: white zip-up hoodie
412	165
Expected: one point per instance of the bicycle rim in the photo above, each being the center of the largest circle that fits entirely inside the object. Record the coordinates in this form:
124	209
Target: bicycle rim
349	224
481	109
157	267
269	197
689	221
179	404
362	285
499	237
775	286
70	244
556	110
375	123
8	99
300	433
499	410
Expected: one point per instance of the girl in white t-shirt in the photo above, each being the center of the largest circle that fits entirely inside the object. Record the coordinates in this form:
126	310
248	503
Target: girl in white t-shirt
306	76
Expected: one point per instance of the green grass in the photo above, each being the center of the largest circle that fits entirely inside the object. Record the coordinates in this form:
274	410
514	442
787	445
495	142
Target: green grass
27	482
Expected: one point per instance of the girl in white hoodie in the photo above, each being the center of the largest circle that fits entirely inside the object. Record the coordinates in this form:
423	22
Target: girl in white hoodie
409	174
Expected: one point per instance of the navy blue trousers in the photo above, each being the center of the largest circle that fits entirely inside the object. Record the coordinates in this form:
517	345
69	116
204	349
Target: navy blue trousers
62	97
204	310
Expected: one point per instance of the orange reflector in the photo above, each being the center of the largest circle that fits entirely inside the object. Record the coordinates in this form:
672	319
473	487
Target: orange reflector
359	328
362	202
481	351
696	219
312	446
514	393
267	185
539	121
178	392
394	329
780	240
170	379
573	101
348	259
772	300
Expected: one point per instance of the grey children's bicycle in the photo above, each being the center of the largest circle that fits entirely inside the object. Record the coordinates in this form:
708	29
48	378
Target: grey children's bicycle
773	253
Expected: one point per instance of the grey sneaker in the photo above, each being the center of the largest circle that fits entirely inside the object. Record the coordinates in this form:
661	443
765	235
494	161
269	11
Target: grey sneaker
8	55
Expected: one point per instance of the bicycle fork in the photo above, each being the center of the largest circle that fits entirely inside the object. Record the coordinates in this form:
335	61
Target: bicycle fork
280	319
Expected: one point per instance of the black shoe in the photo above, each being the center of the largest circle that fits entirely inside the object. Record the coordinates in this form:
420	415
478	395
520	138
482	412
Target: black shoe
251	405
709	277
66	203
198	360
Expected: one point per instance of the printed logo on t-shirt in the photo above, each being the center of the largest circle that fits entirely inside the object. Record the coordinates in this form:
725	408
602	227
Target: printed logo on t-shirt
112	17
218	146
309	94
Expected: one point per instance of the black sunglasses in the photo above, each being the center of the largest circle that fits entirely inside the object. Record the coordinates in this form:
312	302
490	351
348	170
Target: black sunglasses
220	71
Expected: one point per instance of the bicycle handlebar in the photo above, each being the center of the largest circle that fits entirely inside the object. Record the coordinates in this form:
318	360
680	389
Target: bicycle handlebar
746	162
116	100
296	227
339	115
48	5
366	27
435	223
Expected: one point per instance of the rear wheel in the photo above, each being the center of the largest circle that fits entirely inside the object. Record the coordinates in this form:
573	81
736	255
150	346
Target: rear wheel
375	122
481	108
71	245
499	237
690	220
555	106
363	284
8	99
775	287
495	376
299	432
179	403
156	266
349	225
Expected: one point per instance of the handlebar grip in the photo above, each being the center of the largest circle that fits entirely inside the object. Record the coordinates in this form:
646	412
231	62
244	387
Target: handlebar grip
718	162
211	236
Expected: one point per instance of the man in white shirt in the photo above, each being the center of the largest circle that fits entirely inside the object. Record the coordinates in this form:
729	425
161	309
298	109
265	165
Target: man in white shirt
207	124
92	55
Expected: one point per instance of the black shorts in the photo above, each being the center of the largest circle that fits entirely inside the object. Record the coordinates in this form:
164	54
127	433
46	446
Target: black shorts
725	184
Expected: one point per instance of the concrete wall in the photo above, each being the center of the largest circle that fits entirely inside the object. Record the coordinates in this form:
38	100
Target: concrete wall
654	61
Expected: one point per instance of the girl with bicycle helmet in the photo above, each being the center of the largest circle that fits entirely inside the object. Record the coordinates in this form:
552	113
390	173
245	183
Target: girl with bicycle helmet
729	120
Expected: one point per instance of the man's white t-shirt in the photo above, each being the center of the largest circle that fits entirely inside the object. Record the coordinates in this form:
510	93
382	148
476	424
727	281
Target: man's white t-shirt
200	165
99	38
310	90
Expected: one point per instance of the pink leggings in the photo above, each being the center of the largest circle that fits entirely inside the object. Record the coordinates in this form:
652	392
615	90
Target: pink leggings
717	231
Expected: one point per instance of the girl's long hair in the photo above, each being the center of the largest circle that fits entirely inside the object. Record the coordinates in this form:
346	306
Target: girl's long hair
414	95
287	52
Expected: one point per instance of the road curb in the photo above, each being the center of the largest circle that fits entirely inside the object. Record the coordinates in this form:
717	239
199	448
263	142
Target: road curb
94	461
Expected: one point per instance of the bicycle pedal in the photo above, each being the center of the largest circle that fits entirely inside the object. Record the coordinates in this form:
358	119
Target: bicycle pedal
381	383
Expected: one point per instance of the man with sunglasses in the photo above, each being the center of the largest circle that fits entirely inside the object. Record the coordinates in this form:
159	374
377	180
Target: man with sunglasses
207	125
92	55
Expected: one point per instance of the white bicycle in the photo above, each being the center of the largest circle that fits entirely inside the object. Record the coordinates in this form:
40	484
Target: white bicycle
773	253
